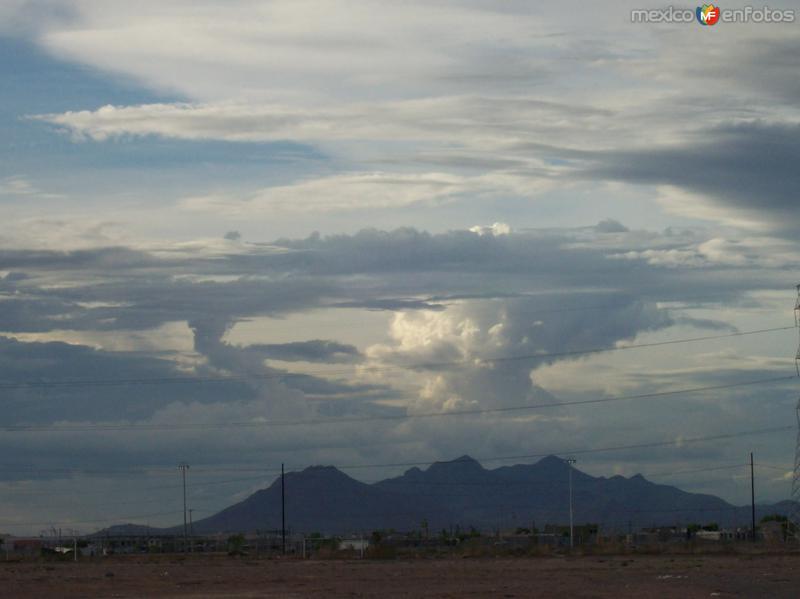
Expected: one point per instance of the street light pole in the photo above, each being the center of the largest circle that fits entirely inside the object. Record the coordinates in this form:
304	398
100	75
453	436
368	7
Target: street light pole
570	462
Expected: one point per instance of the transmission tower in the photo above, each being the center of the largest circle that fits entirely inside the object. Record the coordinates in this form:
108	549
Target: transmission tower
794	510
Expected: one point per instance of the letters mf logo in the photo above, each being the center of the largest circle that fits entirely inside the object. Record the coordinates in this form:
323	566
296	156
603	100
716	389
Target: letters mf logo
708	14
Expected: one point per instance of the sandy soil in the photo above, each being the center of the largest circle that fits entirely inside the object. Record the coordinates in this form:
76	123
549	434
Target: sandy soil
774	576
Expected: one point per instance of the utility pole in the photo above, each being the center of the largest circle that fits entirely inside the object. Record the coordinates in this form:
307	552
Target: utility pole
570	462
794	510
752	497
283	513
191	530
183	467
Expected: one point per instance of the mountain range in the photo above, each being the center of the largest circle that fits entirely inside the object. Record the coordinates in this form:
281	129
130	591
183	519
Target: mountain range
463	493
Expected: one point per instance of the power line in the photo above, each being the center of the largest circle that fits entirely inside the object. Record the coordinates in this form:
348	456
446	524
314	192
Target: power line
483	484
387	481
697	470
416	366
189	485
506	485
386	417
672	442
773	467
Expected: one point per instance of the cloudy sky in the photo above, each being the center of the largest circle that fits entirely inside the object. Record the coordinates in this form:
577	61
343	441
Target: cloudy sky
246	233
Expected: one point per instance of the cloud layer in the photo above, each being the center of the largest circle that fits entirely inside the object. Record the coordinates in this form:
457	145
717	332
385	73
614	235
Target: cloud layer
493	184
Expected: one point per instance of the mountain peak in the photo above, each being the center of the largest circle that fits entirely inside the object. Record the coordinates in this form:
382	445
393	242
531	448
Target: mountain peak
323	471
461	463
315	475
462	466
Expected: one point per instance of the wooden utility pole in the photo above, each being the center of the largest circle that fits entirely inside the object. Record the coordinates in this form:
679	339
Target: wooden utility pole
570	462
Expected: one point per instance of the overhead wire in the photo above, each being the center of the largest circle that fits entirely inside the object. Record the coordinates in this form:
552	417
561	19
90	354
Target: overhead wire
45	384
384	417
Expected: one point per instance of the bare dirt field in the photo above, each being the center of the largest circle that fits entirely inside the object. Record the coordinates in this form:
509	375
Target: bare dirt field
774	576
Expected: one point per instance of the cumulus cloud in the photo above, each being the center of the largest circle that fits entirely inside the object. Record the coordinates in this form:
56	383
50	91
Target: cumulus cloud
495	229
496	344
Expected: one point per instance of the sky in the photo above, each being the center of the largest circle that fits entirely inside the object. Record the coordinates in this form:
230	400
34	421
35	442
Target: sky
249	233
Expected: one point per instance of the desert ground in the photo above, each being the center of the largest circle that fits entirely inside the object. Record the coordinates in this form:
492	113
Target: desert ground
774	576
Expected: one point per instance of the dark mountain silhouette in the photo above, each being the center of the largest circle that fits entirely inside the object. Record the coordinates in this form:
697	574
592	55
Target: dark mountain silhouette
129	530
463	493
320	498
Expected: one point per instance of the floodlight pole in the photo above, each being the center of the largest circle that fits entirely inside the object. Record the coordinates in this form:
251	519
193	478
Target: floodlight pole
570	462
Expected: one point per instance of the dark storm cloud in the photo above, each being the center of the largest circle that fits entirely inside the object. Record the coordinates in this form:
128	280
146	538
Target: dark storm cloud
37	364
392	304
13	277
150	300
102	258
765	65
37	314
749	166
28	368
377	270
407	250
404	263
316	350
551	291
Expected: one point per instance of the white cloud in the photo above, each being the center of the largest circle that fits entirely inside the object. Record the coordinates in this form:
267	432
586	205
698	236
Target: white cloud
479	335
377	190
470	120
748	252
245	48
681	202
424	87
495	229
18	187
